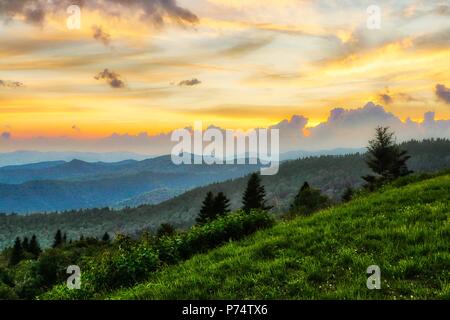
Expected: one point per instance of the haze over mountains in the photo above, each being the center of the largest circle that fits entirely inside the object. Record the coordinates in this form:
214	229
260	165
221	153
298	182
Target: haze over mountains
60	185
56	186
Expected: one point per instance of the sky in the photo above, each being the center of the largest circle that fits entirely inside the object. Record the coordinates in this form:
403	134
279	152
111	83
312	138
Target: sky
140	68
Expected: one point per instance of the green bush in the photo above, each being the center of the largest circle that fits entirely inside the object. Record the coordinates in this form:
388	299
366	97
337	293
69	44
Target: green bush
7	293
130	262
230	227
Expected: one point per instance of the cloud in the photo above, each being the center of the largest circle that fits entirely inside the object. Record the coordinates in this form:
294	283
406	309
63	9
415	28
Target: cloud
189	83
101	35
443	93
245	47
344	128
10	84
112	78
386	98
6	135
153	11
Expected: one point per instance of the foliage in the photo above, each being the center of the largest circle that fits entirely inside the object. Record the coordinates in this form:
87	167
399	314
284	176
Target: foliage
254	194
58	241
132	261
221	204
348	194
166	229
385	158
17	253
207	210
213	207
308	200
404	230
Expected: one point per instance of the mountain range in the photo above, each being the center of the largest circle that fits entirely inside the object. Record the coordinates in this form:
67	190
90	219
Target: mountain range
65	185
331	174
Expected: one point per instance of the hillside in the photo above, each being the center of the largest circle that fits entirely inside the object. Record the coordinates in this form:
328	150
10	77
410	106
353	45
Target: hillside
329	173
404	230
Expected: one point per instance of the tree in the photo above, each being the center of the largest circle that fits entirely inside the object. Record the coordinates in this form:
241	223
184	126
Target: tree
25	244
165	229
221	205
16	253
207	210
106	237
254	195
385	158
34	248
347	195
64	239
308	200
58	241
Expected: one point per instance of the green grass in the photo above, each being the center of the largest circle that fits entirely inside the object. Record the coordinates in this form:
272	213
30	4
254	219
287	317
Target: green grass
404	230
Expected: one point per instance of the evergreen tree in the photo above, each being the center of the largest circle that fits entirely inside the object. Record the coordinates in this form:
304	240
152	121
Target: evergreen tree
385	158
34	248
254	195
305	186
25	244
308	200
58	241
106	237
347	195
221	205
16	253
207	210
64	239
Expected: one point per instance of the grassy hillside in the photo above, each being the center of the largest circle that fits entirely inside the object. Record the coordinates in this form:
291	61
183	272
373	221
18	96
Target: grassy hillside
405	230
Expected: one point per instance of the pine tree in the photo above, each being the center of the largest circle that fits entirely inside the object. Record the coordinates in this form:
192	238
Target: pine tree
207	210
254	195
16	253
106	237
385	158
58	241
35	249
308	200
221	205
64	239
25	244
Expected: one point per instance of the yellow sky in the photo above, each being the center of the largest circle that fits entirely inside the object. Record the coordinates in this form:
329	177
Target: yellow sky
256	62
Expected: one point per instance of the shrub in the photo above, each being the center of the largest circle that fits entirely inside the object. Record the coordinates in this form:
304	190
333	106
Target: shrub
230	227
7	293
129	262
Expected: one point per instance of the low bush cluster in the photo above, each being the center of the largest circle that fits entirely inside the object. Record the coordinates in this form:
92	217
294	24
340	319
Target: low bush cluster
129	262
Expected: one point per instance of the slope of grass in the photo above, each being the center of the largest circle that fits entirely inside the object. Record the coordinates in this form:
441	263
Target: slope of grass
404	230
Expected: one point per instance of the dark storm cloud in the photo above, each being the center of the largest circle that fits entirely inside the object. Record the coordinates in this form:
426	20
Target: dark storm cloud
189	83
154	11
443	93
112	78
